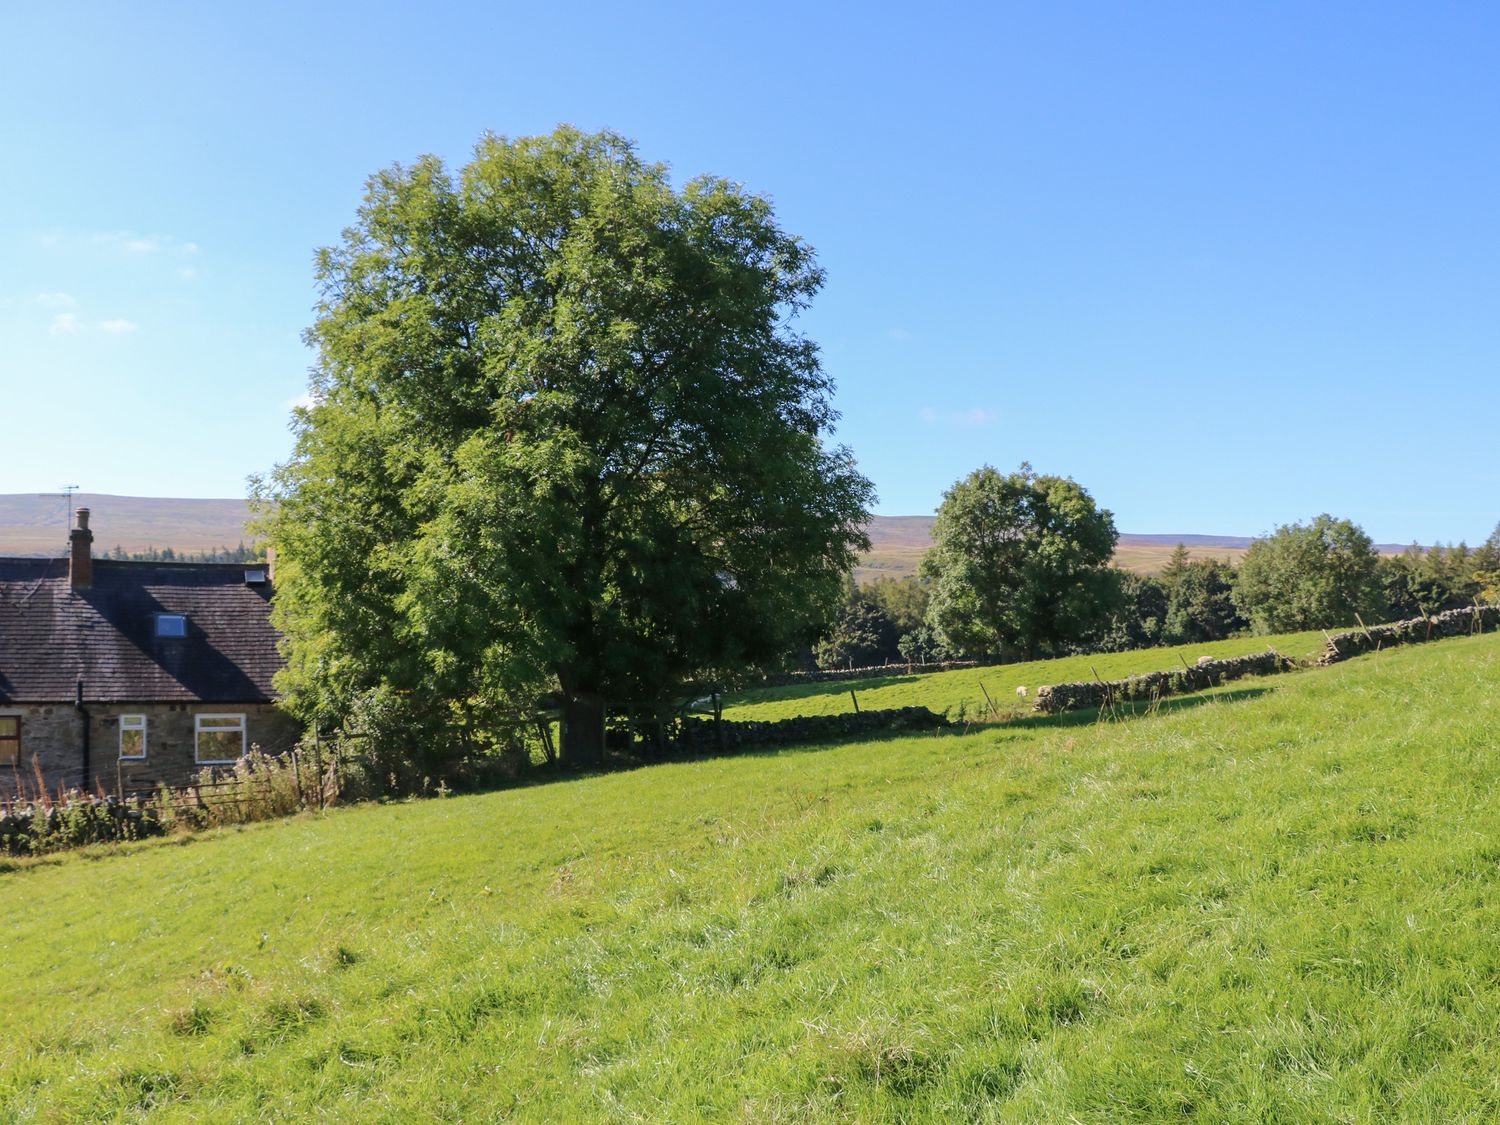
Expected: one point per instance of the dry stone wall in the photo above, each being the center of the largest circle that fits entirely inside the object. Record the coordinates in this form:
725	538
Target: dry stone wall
786	679
1055	698
1451	623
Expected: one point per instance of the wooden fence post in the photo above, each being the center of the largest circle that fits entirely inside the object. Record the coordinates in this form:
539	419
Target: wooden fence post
318	764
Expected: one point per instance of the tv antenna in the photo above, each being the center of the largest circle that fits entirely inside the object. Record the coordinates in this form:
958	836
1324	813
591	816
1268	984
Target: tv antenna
67	492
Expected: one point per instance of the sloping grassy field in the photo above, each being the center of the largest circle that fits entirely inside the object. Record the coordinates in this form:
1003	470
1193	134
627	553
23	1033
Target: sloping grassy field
1279	903
966	687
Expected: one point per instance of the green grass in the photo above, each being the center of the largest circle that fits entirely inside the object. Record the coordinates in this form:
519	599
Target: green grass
1277	904
965	688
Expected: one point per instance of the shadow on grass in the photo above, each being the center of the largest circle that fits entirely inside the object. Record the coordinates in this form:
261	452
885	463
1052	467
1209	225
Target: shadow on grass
1138	709
1013	725
812	691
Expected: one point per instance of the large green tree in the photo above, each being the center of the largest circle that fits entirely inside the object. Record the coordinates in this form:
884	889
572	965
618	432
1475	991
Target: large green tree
1019	561
564	438
1309	576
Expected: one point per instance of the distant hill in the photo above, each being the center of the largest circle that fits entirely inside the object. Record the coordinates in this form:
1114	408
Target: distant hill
897	544
33	524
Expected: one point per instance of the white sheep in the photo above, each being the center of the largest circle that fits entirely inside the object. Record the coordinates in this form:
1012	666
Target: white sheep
1021	691
1202	660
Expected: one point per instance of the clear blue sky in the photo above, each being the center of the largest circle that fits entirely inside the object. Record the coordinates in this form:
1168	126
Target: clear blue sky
1228	265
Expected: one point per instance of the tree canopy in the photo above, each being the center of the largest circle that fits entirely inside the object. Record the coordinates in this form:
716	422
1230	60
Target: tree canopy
564	438
1309	576
1018	561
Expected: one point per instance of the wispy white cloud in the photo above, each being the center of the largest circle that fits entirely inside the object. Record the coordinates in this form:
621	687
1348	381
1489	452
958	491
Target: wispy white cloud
63	324
127	242
55	300
305	401
117	327
975	416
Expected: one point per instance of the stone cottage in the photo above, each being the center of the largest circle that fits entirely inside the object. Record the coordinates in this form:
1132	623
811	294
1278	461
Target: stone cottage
122	675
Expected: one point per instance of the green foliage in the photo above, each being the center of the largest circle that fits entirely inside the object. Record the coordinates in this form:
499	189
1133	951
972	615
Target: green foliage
1139	617
564	437
1308	576
1200	602
1424	582
924	645
1275	904
904	601
861	635
1019	561
1487	569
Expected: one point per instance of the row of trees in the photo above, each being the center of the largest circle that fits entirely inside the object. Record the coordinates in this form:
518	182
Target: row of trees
1020	567
239	554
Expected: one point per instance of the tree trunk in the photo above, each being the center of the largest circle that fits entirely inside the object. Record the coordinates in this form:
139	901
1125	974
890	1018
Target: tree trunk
582	744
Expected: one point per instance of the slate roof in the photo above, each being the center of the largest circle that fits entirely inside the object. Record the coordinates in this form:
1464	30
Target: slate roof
52	636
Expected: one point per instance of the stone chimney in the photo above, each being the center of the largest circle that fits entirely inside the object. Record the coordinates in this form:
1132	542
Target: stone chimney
81	560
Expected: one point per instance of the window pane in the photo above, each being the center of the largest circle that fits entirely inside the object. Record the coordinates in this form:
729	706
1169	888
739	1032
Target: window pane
220	745
132	743
227	722
171	625
10	740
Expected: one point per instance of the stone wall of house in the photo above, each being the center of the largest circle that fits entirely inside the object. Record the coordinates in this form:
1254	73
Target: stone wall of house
171	739
52	737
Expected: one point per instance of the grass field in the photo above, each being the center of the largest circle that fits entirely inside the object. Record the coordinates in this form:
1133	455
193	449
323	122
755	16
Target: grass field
965	688
1275	905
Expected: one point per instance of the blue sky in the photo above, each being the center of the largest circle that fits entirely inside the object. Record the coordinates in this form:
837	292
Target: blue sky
1227	265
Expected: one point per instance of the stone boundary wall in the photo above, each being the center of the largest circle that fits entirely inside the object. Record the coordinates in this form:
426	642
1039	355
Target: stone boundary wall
698	736
1415	630
1053	699
787	679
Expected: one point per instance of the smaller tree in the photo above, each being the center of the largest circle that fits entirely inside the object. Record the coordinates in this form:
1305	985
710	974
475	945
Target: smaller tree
861	635
1309	576
923	645
1139	616
903	599
1200	603
1487	570
1018	561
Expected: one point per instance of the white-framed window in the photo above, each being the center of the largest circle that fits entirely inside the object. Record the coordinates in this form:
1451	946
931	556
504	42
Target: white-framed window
171	625
219	740
10	740
132	737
